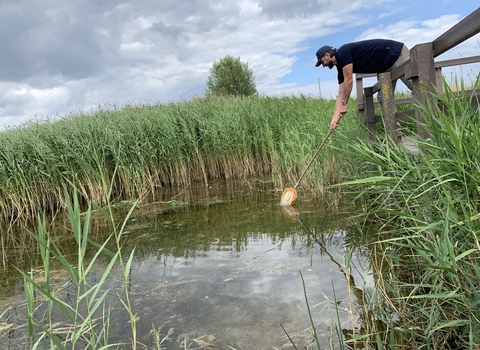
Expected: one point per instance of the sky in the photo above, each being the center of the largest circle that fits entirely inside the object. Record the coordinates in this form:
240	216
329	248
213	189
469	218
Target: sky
64	57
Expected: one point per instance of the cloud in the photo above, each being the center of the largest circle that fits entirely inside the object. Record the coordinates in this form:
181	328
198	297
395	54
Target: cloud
53	41
58	57
392	12
413	32
171	31
410	31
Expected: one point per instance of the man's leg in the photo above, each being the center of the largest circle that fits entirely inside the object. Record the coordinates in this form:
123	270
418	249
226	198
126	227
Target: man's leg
404	57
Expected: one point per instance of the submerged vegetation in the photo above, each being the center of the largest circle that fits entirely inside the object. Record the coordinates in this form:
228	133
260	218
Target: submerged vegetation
144	148
426	252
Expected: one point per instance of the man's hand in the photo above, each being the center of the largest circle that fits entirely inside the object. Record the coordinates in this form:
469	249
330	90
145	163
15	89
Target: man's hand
334	122
344	90
336	118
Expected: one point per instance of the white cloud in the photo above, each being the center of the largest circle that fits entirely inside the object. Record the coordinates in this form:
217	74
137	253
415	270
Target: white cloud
392	12
61	57
409	31
413	32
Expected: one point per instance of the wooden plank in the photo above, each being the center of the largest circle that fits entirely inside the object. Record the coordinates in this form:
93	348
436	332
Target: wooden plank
409	143
376	87
457	61
362	106
404	100
463	30
365	75
475	92
400	71
405	116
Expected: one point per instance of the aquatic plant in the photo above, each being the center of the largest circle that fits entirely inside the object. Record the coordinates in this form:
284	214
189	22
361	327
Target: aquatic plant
76	315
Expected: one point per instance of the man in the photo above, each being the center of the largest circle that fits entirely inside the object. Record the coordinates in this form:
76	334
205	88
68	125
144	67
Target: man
367	56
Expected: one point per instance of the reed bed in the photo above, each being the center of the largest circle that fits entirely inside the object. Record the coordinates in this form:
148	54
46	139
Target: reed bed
143	148
426	256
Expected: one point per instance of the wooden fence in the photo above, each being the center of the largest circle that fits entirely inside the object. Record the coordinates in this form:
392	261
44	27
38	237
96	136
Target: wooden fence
423	71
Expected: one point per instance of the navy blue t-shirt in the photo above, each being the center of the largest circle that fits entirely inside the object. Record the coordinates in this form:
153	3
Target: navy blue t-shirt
368	56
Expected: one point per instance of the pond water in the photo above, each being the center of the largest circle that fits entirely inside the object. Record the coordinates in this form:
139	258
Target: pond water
221	268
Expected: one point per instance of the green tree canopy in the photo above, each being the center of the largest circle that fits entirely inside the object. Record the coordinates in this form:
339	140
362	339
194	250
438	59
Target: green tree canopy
230	77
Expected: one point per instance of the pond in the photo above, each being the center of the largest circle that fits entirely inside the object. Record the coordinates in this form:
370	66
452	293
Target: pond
221	268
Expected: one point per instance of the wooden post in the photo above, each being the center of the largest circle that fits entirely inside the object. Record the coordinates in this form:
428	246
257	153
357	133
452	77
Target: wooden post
439	79
422	73
475	99
370	113
388	106
360	100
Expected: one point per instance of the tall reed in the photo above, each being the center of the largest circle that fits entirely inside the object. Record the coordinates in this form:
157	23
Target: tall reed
153	146
427	252
83	306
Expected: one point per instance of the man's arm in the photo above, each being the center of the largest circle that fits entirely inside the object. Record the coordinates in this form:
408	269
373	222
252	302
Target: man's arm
344	90
347	82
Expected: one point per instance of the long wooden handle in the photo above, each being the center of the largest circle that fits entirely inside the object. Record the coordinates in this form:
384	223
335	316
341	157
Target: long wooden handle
311	161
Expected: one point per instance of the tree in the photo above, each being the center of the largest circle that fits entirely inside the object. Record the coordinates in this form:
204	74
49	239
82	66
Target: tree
230	77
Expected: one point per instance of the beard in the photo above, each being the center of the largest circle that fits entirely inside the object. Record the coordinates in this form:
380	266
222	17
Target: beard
330	65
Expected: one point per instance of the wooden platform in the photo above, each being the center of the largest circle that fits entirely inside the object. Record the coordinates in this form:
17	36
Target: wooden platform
408	143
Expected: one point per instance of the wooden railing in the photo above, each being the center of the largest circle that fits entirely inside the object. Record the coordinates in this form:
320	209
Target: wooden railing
423	71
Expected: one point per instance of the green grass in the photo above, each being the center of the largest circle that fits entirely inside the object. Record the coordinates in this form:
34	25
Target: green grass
426	252
148	147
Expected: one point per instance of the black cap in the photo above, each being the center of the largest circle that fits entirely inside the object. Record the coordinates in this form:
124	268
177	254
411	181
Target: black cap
321	51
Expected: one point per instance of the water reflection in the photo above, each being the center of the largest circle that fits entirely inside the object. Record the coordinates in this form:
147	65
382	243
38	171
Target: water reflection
225	272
